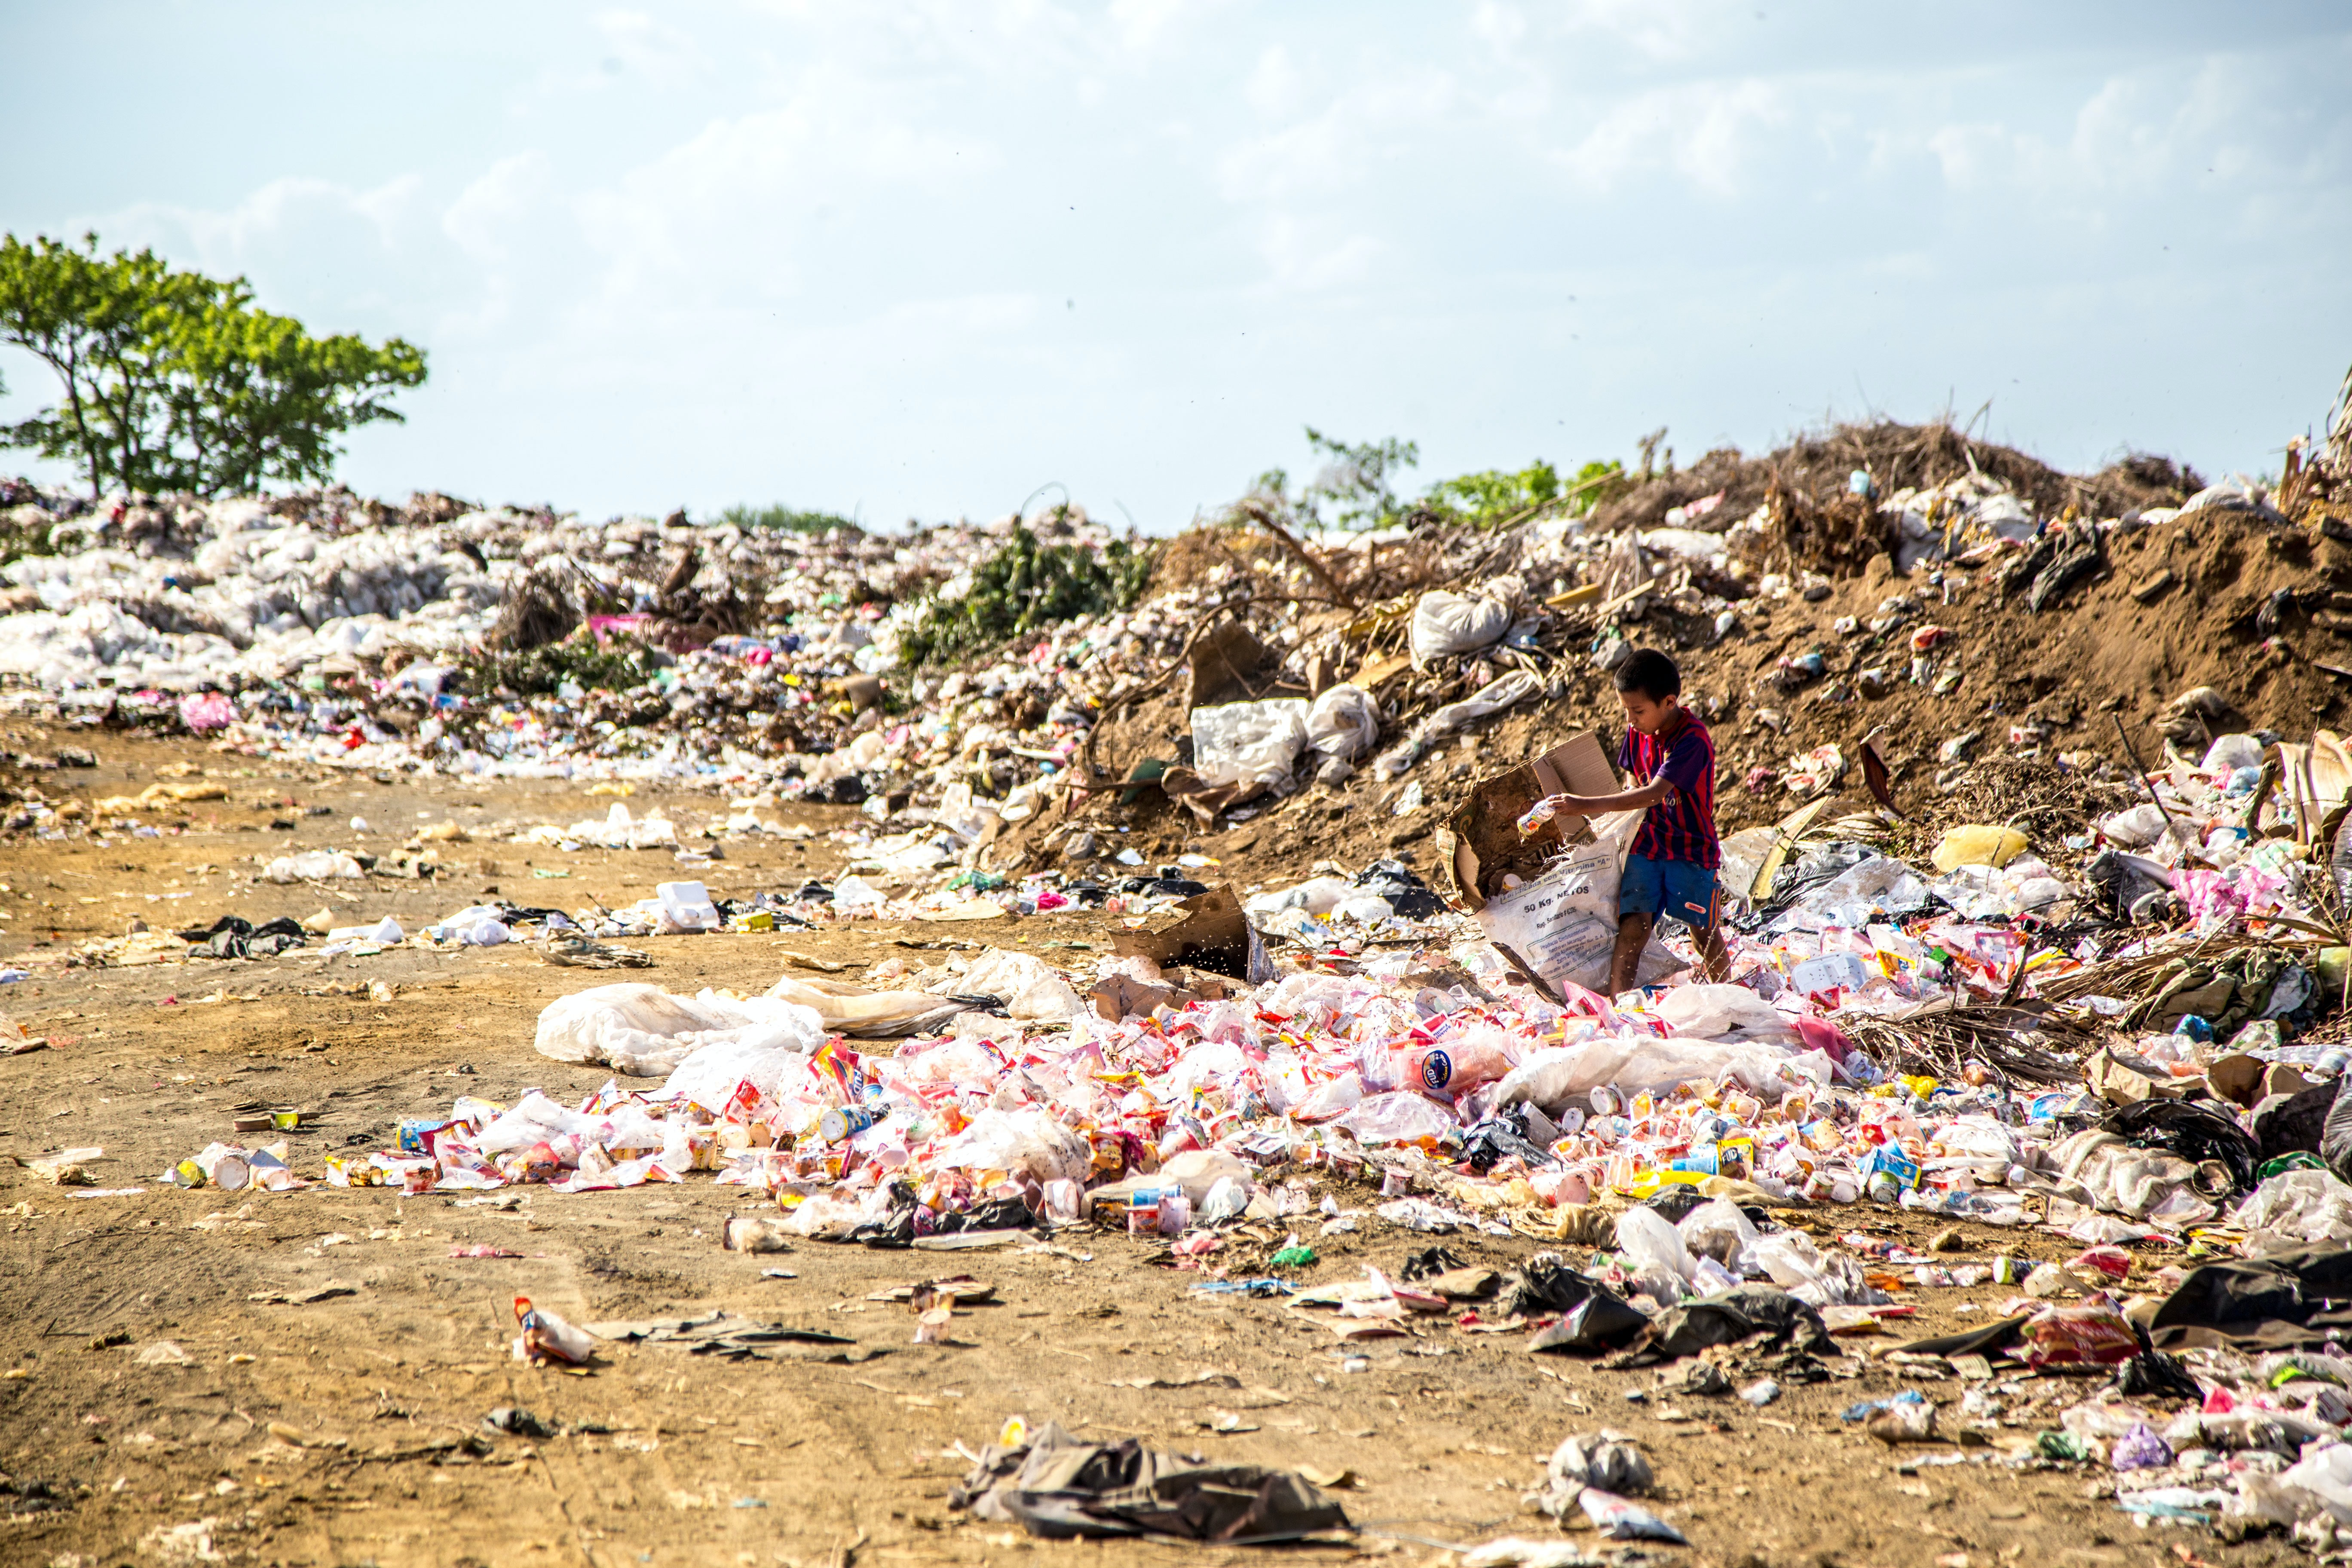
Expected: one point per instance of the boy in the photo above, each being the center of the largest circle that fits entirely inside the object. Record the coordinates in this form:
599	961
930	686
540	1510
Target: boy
1671	868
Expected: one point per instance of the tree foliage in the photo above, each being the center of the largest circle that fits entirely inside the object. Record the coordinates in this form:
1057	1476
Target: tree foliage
175	381
1355	488
789	520
1496	496
1022	586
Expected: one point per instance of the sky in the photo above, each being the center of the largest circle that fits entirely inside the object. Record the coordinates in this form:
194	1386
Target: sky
919	259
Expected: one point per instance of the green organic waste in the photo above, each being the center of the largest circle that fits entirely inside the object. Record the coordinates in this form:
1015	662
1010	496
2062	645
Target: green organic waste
613	666
1022	587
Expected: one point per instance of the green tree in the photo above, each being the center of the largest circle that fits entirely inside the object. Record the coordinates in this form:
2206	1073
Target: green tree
173	381
1496	496
790	520
1354	481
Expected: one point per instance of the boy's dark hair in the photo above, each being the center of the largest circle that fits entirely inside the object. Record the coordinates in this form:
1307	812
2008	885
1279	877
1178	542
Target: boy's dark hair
1650	673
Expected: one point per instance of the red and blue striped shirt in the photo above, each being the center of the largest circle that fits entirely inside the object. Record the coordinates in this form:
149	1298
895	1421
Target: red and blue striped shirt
1682	825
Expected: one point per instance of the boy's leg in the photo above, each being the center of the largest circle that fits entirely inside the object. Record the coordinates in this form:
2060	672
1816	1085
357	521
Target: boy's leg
1695	899
1713	959
1641	894
1625	959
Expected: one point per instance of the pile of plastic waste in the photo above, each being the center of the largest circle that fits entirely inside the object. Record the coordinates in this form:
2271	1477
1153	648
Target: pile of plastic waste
328	629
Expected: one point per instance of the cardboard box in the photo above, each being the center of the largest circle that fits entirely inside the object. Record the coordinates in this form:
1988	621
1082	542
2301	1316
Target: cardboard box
1213	935
1486	825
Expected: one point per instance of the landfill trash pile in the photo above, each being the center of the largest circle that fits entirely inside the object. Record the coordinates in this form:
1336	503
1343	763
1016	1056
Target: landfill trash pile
1258	675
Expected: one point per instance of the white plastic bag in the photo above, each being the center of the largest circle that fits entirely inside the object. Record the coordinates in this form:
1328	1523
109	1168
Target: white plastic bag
587	1025
1342	725
2230	753
644	1031
1029	987
1027	1141
1553	1076
1788	1257
767	1046
1725	1012
1447	622
312	865
2135	826
1492	698
533	1119
1317	896
2325	1478
2295	1208
1330	1096
1717	1229
1398	1117
1254	745
1649	1239
1563	924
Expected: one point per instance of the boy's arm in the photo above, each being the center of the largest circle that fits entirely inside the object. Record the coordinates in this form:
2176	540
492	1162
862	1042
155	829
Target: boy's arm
1641	796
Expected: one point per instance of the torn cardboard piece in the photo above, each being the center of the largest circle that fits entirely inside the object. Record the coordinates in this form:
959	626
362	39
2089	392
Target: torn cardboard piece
1229	665
1213	935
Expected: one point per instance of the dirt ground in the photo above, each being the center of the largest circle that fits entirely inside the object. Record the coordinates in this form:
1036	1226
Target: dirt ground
173	1377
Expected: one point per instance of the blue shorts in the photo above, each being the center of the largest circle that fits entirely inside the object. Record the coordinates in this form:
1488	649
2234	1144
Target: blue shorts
1670	889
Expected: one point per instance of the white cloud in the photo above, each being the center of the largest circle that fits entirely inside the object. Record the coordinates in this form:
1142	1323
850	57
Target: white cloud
1707	132
796	249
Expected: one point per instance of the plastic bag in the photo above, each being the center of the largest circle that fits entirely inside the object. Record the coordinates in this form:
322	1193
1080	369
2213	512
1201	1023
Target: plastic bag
1329	1098
1725	1012
1492	698
2077	1336
2228	753
1621	1520
1717	1229
1317	896
588	1025
534	1119
2324	1478
1629	1063
768	1045
1028	1141
1978	845
1200	1172
642	1030
1400	1117
1563	924
2134	826
1250	743
312	865
1788	1259
1029	987
1448	622
1342	725
1609	1460
2297	1207
1366	908
1649	1241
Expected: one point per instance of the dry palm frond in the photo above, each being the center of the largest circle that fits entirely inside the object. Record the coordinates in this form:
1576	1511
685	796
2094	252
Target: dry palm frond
2139	975
2025	1041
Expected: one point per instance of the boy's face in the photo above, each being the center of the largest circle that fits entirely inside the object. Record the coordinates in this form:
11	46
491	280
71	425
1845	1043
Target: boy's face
1647	713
